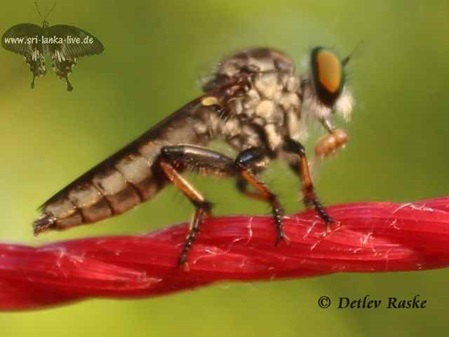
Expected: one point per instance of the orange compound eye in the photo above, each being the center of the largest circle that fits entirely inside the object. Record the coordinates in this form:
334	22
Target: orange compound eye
329	71
328	75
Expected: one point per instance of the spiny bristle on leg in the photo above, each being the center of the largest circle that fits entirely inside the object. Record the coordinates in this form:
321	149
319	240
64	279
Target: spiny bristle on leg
44	223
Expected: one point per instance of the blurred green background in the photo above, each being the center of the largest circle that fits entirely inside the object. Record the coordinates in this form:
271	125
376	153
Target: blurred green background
156	54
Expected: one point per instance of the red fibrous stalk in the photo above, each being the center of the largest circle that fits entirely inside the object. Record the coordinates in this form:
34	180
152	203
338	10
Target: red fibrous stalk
370	237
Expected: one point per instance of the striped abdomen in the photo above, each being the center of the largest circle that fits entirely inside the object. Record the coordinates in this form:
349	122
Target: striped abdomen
124	180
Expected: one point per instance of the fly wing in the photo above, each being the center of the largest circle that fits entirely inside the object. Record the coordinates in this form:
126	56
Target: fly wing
25	39
131	175
67	44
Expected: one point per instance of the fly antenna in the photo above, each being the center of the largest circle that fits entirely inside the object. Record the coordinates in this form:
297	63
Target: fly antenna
345	61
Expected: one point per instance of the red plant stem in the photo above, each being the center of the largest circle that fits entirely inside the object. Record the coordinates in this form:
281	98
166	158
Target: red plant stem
370	237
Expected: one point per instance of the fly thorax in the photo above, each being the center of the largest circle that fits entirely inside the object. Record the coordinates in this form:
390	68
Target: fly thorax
270	106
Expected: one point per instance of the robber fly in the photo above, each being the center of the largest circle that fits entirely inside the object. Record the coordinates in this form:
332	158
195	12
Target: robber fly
257	104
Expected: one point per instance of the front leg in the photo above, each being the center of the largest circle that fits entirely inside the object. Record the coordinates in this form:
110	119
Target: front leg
301	168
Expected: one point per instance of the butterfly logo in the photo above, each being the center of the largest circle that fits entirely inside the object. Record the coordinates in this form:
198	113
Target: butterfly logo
63	43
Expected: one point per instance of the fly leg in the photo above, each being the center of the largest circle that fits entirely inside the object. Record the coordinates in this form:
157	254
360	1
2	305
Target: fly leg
174	159
301	168
242	185
247	163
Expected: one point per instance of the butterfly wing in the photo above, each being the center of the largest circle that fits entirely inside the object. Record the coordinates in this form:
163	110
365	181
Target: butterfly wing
70	43
25	39
19	38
